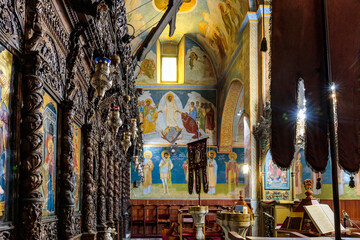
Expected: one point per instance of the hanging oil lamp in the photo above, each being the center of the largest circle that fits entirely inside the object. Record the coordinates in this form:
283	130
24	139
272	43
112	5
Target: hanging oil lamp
100	79
115	121
133	128
126	142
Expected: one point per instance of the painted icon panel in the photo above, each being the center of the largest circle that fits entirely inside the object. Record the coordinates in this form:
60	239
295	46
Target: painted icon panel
48	168
77	165
6	59
275	178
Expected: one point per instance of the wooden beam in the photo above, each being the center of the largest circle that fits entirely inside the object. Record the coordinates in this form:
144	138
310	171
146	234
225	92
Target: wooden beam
169	17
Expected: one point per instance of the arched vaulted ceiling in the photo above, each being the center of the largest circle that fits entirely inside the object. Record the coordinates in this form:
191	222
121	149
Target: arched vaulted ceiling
214	24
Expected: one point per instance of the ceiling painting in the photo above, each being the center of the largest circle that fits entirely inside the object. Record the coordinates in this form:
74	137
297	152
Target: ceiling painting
214	24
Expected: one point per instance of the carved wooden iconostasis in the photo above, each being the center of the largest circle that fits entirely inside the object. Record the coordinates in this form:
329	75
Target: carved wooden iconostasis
64	172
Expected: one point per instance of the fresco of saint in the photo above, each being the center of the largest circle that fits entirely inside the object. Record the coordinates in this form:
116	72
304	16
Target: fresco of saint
149	117
232	173
192	111
357	183
212	171
185	166
148	167
165	170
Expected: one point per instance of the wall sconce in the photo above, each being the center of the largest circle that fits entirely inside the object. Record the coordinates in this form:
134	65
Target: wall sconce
100	79
245	168
115	121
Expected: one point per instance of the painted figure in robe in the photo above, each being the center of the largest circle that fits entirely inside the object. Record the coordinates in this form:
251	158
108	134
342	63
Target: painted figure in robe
202	116
148	167
185	166
49	167
149	117
357	183
298	175
212	172
6	60
210	113
171	110
165	170
341	180
232	173
193	111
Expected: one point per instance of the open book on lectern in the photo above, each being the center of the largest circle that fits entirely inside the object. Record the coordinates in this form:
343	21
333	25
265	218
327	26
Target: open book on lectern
323	218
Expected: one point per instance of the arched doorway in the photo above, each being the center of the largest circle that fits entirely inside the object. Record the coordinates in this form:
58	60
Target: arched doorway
235	91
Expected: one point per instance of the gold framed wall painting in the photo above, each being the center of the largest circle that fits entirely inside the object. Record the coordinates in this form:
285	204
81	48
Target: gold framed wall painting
6	66
49	129
77	165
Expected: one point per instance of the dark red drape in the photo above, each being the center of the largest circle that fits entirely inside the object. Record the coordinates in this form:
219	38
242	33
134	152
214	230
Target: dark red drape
344	29
298	50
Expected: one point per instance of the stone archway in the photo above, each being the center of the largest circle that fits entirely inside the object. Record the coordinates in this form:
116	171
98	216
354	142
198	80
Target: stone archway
226	127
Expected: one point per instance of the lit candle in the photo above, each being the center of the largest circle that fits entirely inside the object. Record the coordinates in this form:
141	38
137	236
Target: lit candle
245	210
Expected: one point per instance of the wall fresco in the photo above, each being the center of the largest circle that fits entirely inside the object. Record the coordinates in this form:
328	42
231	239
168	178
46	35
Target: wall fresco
322	181
170	116
224	174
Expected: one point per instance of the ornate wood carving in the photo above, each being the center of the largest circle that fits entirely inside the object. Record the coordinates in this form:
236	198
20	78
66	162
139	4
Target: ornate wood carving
8	234
12	17
31	157
110	189
50	230
117	193
67	219
101	196
89	217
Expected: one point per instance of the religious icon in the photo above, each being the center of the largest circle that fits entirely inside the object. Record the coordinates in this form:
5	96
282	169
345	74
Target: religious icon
149	117
275	178
5	81
185	166
148	167
77	165
49	130
232	173
165	170
212	171
357	183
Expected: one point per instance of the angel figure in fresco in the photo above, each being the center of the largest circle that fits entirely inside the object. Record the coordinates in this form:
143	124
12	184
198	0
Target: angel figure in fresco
150	117
234	15
226	19
298	175
232	173
165	170
49	169
148	168
212	171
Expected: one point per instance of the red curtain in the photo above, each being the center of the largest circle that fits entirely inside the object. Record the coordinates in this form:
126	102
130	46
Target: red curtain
298	50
